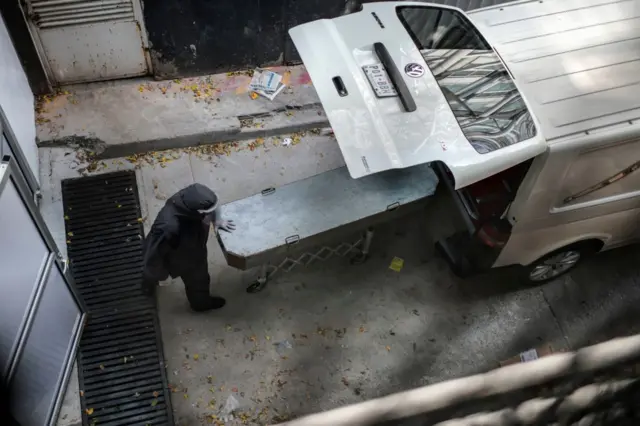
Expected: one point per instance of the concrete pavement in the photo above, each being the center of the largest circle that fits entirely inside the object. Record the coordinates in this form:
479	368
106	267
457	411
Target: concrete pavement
333	334
127	117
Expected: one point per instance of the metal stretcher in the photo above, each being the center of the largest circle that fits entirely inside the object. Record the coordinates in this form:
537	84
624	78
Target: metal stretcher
299	223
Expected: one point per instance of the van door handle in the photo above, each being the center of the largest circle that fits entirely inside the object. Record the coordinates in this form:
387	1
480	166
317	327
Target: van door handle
339	85
396	78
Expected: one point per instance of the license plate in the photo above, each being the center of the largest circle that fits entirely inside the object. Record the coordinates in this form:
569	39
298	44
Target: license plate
379	80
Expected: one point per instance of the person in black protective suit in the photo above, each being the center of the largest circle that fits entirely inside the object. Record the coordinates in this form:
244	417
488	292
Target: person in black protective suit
177	244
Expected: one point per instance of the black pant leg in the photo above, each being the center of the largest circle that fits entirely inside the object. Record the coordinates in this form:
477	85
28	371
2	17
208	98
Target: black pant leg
148	284
196	285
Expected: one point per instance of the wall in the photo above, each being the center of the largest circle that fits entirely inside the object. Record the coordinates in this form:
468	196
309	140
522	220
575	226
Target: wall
17	100
208	36
11	11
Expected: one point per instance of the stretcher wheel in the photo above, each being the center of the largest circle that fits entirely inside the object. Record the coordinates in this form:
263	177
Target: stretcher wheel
359	258
257	286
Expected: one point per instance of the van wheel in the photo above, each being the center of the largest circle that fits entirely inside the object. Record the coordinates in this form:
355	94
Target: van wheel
555	264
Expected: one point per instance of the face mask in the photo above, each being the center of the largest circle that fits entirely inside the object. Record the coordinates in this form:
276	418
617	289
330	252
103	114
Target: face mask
209	210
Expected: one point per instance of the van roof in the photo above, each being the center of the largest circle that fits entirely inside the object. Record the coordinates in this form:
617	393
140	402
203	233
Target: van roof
577	62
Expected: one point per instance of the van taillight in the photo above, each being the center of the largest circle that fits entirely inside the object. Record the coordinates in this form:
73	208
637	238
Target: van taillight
491	236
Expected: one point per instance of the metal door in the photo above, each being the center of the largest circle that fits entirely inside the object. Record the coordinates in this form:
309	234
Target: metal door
41	315
89	40
9	146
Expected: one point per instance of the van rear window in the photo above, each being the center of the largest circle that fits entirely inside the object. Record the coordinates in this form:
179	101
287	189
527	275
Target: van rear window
478	88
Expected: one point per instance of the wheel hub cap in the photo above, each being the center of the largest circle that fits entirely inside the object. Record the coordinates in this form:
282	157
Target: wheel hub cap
555	265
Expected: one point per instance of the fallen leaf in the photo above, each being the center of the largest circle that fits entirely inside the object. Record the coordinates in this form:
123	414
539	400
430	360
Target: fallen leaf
155	394
388	348
196	357
186	396
89	411
81	393
362	329
253	95
119	205
66	217
101	367
154	402
70	234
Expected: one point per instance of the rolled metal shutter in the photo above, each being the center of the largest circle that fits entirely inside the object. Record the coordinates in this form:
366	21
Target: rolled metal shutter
60	13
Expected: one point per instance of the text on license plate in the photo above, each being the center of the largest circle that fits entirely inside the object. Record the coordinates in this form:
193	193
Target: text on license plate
379	80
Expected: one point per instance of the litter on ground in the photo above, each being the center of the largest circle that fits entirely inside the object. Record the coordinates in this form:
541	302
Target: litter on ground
266	83
396	264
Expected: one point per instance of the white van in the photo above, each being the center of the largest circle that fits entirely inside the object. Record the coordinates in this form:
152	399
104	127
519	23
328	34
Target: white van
528	111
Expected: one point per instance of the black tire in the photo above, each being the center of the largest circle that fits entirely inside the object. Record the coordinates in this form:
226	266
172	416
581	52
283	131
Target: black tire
557	263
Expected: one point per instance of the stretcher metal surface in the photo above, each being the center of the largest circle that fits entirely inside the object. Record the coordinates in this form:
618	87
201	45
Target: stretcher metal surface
275	228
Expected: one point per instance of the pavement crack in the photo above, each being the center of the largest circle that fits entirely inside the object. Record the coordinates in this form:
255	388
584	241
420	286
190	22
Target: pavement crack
555	318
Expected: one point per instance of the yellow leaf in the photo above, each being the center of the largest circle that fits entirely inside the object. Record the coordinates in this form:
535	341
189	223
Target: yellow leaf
253	95
154	402
101	367
196	357
66	217
70	234
89	411
119	205
141	88
186	396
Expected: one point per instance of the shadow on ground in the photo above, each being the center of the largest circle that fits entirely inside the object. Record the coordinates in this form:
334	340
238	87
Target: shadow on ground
334	334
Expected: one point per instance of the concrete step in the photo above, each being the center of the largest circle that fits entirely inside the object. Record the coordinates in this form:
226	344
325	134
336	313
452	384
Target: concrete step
126	117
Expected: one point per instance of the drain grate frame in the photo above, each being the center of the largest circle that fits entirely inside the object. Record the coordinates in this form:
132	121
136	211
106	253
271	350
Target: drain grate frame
121	367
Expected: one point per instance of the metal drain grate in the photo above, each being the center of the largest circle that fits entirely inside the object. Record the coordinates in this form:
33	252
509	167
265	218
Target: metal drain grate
120	362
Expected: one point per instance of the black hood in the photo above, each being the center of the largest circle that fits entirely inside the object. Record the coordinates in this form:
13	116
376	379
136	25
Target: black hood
193	198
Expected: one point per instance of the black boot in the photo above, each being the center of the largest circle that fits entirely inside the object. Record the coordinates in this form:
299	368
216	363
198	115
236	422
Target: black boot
208	304
196	285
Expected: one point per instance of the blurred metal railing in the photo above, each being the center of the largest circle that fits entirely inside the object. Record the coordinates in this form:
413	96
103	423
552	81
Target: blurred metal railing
597	385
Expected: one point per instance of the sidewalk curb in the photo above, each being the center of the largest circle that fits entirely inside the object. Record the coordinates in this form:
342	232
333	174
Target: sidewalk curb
233	129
